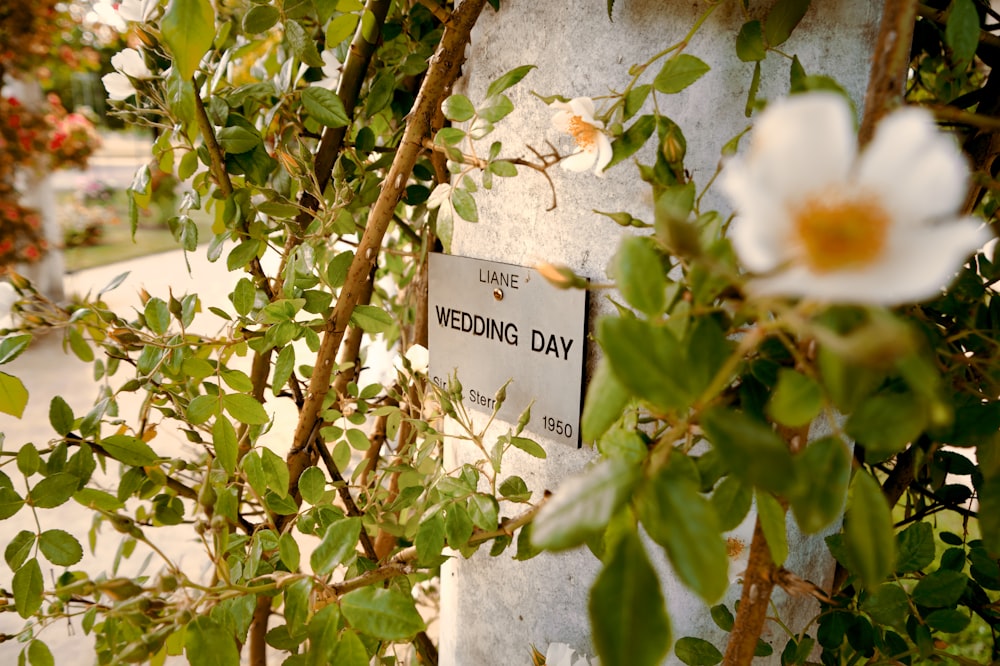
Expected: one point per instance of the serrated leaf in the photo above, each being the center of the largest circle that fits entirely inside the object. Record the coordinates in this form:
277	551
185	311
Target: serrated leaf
868	533
824	473
797	399
60	415
129	450
11	346
632	139
583	504
962	31
752	450
245	408
885	423
646	359
507	80
940	588
260	18
302	44
750	42
457	108
606	400
340	28
10	502
732	500
39	654
206	643
312	484
60	547
529	446
772	522
28	586
887	604
679	72
226	444
697	652
464	204
640	276
53	490
338	545
237	140
386	614
782	19
948	620
371	319
18	549
188	28
916	547
679	518
324	106
13	395
637	632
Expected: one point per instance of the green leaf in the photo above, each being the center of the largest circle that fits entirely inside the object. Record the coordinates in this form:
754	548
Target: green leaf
202	407
646	359
961	32
679	518
464	204
11	346
157	315
226	444
732	500
60	547
338	545
583	504
697	652
484	511
371	319
679	72
340	28
885	423
28	586
457	525
772	522
752	450
275	471
288	549
18	549
39	654
430	540
53	490
796	400
350	651
750	43
10	502
129	450
494	109
244	296
948	620
605	402
245	408
188	28
260	18
868	533
388	615
782	19
887	604
303	45
640	276
940	589
629	623
507	80
207	643
632	139
515	489
324	106
458	108
60	415
916	548
312	484
13	395
723	617
237	140
824	473
529	446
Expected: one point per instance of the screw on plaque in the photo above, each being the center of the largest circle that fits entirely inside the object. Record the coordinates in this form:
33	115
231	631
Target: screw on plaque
498	294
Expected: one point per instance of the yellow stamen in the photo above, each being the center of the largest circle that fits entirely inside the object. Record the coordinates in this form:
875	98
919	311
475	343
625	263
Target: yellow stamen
583	133
734	547
837	233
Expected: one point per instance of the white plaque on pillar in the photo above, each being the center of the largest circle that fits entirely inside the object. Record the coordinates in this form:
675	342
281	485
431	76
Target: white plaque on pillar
492	322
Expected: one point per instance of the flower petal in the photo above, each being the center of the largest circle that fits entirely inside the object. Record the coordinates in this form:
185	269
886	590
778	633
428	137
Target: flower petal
801	145
583	107
604	153
118	86
760	232
561	121
919	173
130	62
921	263
579	161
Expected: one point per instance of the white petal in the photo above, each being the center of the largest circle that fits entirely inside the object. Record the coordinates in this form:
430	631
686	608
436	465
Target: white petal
137	10
583	107
917	171
561	121
802	144
559	654
921	264
760	232
604	153
130	63
118	85
418	357
579	161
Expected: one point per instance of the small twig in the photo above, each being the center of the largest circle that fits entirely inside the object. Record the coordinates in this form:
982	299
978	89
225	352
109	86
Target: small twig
890	63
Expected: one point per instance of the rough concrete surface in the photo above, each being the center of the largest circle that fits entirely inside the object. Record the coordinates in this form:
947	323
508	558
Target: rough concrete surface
494	609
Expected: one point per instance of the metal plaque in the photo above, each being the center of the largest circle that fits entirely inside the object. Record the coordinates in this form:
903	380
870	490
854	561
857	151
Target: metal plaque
494	322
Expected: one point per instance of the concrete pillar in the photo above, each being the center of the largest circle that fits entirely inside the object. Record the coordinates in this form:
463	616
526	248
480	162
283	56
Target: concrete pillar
493	609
